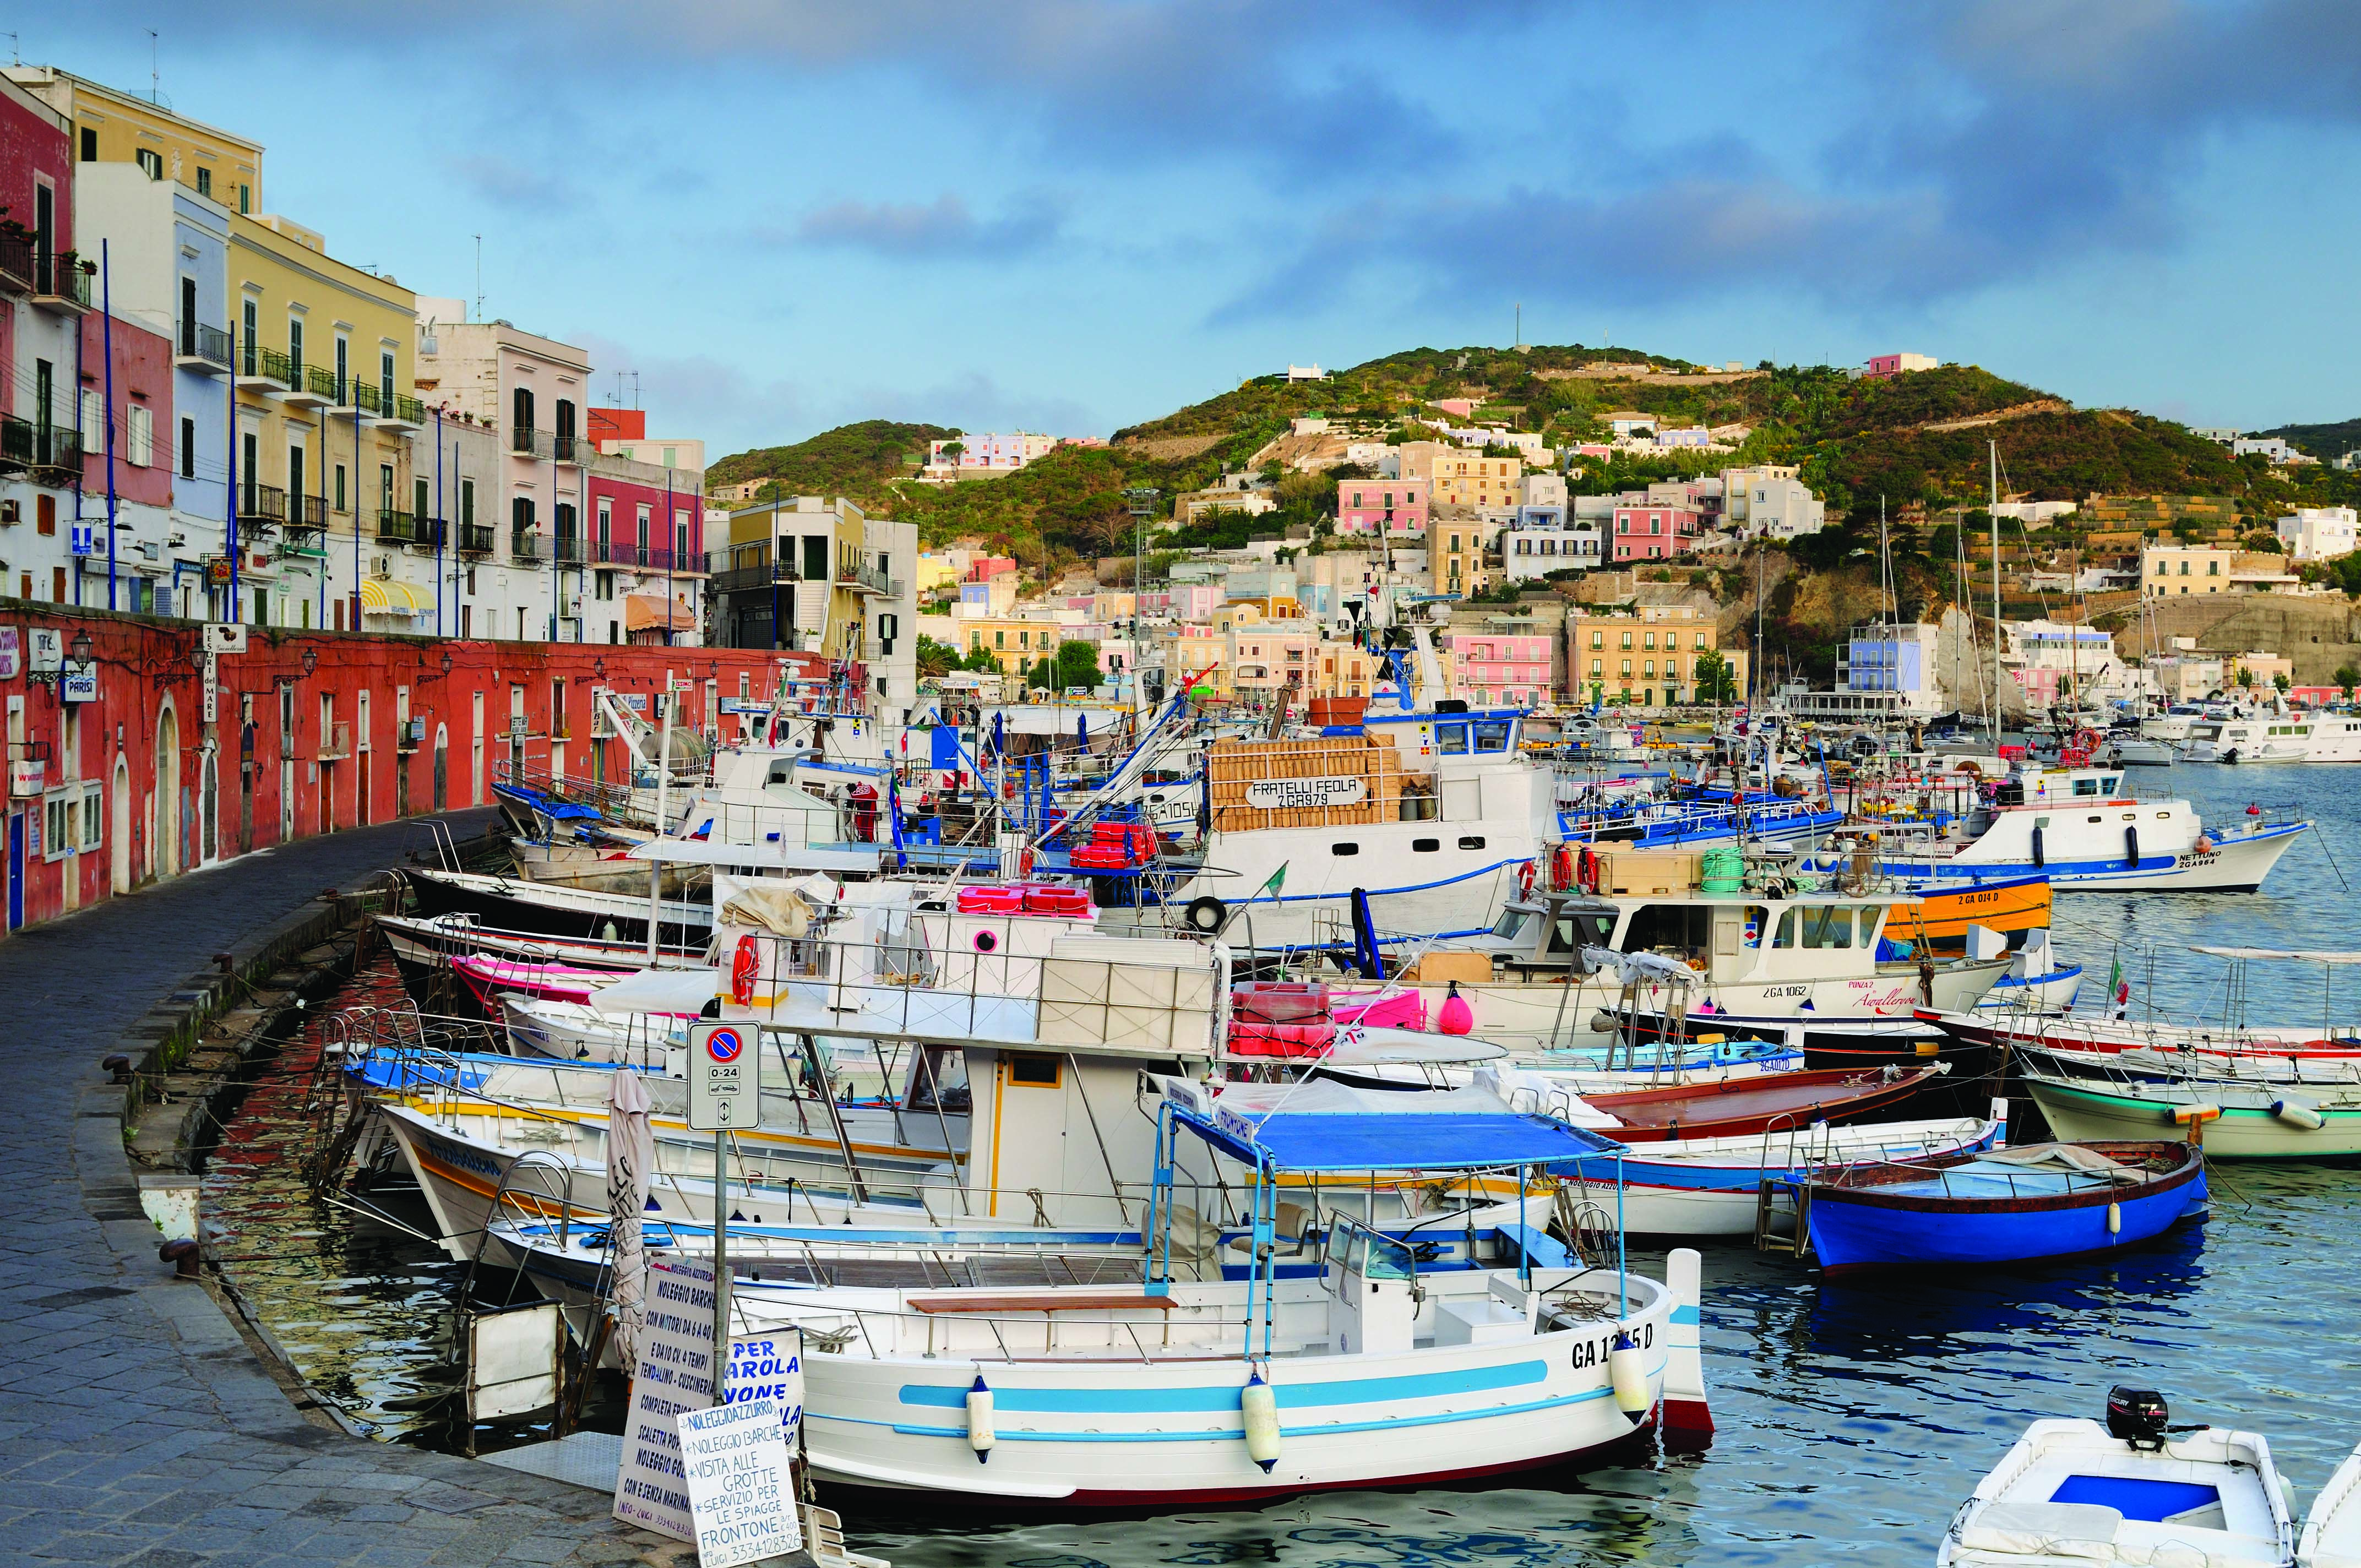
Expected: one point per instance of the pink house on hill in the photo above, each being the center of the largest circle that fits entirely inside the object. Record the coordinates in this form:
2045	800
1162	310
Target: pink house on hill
1394	507
1499	666
1653	532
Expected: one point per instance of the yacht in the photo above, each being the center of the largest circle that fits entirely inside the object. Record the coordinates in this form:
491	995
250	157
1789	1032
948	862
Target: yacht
2276	738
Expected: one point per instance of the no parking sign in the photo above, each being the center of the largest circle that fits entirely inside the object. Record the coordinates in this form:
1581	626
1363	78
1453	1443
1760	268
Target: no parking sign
722	1077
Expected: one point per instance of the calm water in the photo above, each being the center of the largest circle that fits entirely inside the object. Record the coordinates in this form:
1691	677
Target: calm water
1853	1416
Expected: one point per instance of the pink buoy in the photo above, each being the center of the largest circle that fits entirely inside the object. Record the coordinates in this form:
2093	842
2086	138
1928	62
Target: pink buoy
1455	1017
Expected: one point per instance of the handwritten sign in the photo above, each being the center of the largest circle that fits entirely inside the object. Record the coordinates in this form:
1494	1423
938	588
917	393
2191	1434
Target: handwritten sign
735	1462
674	1377
1300	795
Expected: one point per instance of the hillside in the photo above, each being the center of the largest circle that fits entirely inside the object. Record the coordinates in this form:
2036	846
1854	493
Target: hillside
2325	442
1918	439
857	460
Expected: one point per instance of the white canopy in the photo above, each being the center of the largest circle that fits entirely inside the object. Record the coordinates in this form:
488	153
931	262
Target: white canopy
659	991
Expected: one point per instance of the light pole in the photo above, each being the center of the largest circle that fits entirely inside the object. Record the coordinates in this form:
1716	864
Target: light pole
1142	499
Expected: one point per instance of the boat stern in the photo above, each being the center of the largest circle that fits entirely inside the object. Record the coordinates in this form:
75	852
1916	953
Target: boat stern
1685	1422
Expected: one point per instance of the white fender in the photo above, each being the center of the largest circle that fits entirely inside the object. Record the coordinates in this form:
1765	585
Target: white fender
1629	1375
979	1421
2299	1113
2114	1218
1260	1406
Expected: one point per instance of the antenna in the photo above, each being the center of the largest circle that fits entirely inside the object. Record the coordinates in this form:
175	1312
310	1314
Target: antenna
155	77
479	276
1520	324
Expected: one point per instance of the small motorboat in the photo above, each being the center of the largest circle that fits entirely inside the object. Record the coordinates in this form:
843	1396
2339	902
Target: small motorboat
2331	1532
2234	1119
2133	1491
1750	1105
2001	1205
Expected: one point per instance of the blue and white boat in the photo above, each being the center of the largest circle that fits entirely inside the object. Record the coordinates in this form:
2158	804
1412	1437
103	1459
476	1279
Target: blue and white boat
2077	826
2003	1206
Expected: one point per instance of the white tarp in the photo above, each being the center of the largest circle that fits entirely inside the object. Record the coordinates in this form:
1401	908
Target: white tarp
631	1155
659	991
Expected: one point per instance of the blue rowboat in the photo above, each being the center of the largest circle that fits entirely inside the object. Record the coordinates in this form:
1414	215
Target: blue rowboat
2000	1206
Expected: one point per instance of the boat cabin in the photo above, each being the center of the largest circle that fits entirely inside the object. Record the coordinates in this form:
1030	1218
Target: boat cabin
1726	937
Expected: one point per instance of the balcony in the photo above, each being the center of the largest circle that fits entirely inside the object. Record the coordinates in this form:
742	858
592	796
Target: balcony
56	456
307	512
746	579
16	263
568	550
549	445
311	387
398	527
365	399
60	284
866	580
431	533
475	539
565	446
15	444
335	741
201	349
405	413
524	547
263	370
261	507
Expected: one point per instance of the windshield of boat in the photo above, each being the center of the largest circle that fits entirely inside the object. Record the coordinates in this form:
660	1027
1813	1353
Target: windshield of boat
1576	930
1354	1248
1514	923
938	1081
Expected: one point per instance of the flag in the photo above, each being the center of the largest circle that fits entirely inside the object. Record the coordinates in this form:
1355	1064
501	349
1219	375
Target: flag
1277	880
2118	988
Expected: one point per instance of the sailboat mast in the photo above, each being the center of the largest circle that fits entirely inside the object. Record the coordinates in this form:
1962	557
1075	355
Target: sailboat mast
1992	450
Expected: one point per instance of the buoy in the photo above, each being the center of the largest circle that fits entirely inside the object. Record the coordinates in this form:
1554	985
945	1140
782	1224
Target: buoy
2114	1218
1630	1379
1455	1017
609	932
2298	1114
1260	1406
979	1421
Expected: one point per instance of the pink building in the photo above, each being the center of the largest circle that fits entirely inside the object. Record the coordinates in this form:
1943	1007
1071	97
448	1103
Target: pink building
1654	532
1885	367
1182	601
1499	666
986	567
1394	507
141	415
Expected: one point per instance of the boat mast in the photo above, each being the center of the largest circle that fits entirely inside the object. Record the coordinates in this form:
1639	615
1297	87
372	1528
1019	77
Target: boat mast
1993	453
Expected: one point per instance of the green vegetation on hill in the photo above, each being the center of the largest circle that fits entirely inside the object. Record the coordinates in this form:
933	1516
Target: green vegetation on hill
2325	442
857	460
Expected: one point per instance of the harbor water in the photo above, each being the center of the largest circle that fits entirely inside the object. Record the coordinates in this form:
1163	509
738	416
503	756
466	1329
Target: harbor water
1852	1416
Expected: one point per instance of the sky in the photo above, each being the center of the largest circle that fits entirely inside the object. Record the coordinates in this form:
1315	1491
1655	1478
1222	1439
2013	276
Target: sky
1069	215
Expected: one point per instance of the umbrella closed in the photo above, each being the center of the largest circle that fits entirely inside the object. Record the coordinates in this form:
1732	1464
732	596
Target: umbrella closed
631	1152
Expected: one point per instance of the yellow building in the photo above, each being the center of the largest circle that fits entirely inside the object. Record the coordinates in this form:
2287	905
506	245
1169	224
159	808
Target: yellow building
1475	481
1018	643
116	127
326	415
816	554
2177	571
1643	656
1455	554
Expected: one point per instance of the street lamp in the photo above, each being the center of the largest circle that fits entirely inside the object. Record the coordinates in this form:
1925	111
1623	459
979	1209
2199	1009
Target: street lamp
447	662
599	666
81	649
311	661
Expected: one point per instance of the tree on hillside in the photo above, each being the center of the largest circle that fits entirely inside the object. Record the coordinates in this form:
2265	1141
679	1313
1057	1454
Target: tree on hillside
1716	682
936	658
1076	664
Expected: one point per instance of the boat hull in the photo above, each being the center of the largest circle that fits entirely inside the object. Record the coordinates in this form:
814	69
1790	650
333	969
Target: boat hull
2093	1111
2237	863
1857	1230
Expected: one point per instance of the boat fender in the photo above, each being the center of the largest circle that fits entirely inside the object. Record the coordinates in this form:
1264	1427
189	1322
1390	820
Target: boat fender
1207	913
979	1421
1260	1406
1605	1022
1629	1375
2114	1218
1455	1017
609	933
2299	1113
2131	845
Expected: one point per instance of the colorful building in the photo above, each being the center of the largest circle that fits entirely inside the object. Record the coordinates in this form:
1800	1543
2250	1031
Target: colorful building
1655	532
1397	507
44	294
1476	481
1643	656
109	126
1492	666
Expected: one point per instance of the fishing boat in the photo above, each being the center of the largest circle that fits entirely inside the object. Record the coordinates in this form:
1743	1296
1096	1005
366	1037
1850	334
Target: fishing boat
2332	1531
2133	1491
512	903
2020	1204
2231	1120
1374	1372
1750	1105
2276	738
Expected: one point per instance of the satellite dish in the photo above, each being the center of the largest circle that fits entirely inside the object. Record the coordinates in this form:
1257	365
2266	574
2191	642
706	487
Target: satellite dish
1438	612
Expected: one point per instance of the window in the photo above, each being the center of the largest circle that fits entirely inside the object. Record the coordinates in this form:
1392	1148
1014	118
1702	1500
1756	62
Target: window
1647	640
385	378
1815	925
1425	846
295	342
246	197
1344	849
344	362
466	502
385	487
340	488
150	163
1031	1070
204	182
1627	669
1472	841
421	505
603	584
1492	735
89	144
188	449
1598	640
142	433
1451	740
520	419
2213	568
1627	642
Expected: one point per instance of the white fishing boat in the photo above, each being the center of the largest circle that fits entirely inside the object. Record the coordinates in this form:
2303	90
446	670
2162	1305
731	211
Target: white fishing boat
2076	826
2129	1492
2332	1531
2232	1120
1370	1373
2141	751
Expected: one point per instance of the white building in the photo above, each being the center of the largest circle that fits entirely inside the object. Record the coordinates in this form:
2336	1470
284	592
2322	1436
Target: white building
1769	502
2320	533
1542	490
2032	514
1306	373
2274	447
1534	553
2058	661
986	455
1884	672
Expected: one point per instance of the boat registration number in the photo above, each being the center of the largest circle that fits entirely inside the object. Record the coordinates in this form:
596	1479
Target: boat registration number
1788	991
1593	1352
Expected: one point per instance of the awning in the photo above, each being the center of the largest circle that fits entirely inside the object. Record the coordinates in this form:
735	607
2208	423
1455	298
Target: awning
1321	1126
391	598
642	613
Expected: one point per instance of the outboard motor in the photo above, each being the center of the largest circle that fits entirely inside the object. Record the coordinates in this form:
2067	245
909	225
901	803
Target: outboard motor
2137	1416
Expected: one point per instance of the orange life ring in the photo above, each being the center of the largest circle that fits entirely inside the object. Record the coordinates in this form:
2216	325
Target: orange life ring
743	964
1590	871
1525	879
1562	867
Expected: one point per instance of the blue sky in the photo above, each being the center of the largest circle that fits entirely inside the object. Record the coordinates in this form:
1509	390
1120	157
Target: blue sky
1071	216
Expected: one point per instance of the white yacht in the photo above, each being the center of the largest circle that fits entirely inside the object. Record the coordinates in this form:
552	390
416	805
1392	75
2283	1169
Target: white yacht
2276	738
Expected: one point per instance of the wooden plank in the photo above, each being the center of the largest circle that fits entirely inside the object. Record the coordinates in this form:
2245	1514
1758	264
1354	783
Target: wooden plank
1040	1303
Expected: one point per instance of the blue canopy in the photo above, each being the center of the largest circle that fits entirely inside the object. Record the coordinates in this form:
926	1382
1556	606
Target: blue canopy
1316	1141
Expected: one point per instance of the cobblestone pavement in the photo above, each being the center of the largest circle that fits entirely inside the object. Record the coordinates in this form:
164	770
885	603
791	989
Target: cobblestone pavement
136	1426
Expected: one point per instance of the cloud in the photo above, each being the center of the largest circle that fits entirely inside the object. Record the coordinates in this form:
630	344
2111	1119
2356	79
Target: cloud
513	187
943	227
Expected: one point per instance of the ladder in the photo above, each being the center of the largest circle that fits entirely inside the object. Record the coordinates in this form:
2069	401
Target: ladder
1783	1214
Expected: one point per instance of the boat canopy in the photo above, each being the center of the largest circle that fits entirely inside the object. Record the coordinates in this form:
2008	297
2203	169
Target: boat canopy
2298	955
1318	1125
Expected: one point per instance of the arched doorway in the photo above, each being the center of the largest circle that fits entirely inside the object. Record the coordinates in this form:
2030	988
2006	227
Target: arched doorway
165	850
442	767
121	825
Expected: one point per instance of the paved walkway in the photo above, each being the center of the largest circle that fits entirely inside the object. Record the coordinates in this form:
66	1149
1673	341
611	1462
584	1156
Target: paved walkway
136	1426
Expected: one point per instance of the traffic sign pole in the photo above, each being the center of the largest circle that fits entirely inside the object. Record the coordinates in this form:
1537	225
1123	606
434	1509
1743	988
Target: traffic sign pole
721	1363
724	1091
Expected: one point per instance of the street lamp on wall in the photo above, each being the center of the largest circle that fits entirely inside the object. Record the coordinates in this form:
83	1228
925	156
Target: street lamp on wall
311	661
446	663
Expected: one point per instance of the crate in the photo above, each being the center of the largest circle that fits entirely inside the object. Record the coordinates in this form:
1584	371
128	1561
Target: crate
1233	766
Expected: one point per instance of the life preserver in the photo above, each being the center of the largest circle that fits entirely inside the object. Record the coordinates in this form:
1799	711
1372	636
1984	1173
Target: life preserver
2088	741
1562	867
1525	879
743	965
1588	872
1025	862
1207	913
